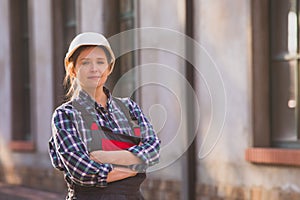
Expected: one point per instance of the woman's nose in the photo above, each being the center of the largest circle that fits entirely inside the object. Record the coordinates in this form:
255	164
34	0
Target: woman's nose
94	67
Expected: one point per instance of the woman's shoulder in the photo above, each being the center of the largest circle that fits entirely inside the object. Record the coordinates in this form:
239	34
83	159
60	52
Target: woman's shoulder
131	105
123	99
66	107
127	101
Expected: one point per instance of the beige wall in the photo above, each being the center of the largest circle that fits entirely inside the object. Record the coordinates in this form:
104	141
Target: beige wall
41	74
162	82
5	95
90	16
223	29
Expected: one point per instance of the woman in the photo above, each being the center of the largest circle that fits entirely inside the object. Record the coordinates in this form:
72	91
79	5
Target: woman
96	165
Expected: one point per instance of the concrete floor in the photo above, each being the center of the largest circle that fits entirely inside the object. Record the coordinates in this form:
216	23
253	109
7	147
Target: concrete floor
10	192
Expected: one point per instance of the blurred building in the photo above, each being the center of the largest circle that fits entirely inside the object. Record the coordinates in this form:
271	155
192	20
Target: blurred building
221	73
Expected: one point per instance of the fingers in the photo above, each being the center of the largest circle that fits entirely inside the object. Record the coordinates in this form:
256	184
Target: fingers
126	170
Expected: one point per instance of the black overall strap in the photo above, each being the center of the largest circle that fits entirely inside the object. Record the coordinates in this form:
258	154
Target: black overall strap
90	121
87	117
131	119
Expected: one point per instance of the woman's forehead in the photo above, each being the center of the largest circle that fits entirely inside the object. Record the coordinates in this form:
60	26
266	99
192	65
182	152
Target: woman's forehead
92	52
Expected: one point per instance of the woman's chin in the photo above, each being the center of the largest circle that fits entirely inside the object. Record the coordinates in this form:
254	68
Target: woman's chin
89	87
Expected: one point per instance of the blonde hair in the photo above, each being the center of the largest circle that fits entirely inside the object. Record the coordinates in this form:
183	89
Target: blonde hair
70	80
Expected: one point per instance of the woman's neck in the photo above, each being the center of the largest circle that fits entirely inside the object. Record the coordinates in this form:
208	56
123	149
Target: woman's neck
98	95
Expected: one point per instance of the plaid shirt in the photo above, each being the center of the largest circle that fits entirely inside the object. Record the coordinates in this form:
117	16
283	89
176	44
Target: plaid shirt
69	152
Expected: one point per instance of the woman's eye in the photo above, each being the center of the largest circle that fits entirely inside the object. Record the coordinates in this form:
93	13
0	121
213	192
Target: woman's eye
100	63
85	63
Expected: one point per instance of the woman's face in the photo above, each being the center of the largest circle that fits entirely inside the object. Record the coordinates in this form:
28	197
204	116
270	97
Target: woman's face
92	68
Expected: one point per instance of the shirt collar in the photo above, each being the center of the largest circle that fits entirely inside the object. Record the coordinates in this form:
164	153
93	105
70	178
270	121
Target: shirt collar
86	98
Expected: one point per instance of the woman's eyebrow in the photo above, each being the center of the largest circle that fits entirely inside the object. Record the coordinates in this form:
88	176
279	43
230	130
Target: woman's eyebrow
86	58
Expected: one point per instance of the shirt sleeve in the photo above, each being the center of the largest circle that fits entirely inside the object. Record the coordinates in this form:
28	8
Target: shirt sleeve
148	149
56	162
68	152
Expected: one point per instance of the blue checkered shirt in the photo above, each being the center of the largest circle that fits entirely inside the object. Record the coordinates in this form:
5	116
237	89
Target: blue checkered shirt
68	150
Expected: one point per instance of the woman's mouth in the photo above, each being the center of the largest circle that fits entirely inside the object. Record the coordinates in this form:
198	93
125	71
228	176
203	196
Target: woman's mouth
93	77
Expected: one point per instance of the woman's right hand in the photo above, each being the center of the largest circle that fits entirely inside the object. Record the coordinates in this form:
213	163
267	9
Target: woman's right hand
119	173
120	157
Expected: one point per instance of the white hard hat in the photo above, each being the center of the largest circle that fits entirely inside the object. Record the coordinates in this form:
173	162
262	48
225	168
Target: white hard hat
88	38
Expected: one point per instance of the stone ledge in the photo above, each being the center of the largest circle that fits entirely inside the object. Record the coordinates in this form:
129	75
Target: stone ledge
273	156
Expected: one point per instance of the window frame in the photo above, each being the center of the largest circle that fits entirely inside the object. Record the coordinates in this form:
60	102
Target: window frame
65	25
262	151
21	89
287	59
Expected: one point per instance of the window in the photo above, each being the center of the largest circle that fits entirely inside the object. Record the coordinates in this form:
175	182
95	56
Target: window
284	68
275	51
64	30
20	79
127	22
